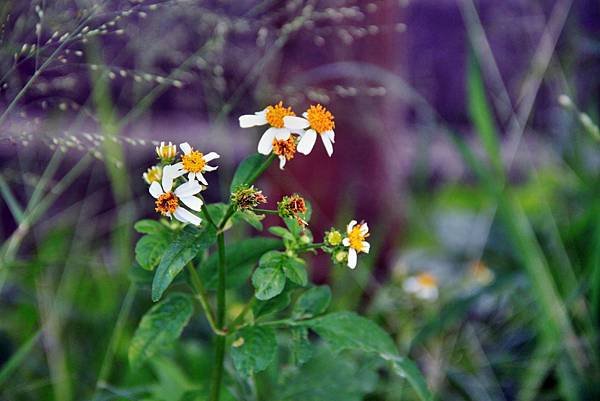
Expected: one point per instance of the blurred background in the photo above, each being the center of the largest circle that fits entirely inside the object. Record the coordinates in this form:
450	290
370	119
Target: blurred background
478	179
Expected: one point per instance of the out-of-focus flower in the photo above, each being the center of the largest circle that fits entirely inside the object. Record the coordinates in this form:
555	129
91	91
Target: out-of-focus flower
272	115
341	257
169	203
293	206
480	273
245	197
565	101
166	153
153	174
333	237
195	163
355	241
318	120
285	149
423	286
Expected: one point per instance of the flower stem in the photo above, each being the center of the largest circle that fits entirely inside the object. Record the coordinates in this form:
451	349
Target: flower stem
203	298
217	371
265	211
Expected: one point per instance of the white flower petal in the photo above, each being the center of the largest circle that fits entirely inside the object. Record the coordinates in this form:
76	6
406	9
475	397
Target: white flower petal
185	148
193	202
411	285
210	168
155	189
201	178
170	173
352	258
330	134
282	134
281	162
364	228
307	142
305	114
328	145
265	145
351	226
188	189
185	216
366	247
211	156
294	122
191	176
346	242
252	120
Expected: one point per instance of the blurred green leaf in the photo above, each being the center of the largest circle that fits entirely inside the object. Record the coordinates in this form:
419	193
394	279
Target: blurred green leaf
245	170
159	327
273	305
148	226
406	369
268	282
301	348
188	243
151	247
251	218
312	303
253	349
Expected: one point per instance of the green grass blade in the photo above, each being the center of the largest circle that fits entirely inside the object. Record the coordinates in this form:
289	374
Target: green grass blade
18	357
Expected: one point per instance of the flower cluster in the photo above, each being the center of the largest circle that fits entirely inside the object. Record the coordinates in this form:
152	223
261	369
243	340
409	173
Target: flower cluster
175	195
293	206
247	197
288	133
345	250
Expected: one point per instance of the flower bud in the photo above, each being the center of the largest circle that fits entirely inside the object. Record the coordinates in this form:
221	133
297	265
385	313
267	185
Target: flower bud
245	197
153	174
333	237
166	153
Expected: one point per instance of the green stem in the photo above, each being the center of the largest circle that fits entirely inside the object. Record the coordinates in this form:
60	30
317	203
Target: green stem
265	211
203	298
217	371
311	247
208	216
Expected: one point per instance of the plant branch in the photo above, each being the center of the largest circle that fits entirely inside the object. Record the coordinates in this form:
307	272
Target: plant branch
203	298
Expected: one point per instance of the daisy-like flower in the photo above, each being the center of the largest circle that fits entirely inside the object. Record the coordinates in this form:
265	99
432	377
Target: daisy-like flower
195	163
154	173
423	286
285	149
355	241
169	202
272	115
318	120
166	152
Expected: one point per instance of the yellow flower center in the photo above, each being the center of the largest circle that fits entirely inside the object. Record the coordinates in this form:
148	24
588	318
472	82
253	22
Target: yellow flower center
334	238
286	147
193	162
357	238
276	113
320	119
167	203
427	280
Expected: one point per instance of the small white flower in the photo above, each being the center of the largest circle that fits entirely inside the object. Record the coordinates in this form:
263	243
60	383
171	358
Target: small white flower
168	202
318	120
154	173
274	116
166	152
355	241
423	286
195	163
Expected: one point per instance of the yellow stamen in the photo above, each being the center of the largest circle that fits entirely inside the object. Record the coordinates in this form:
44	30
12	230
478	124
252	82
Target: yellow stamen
276	113
320	119
357	238
285	147
427	280
193	162
167	203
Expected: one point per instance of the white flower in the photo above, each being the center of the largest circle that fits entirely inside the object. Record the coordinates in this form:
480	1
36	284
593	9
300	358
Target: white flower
195	163
272	115
166	152
423	286
355	241
154	173
318	120
169	203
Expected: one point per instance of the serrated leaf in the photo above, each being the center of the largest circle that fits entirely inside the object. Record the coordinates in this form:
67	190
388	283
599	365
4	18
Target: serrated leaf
347	330
245	170
241	258
251	218
294	270
159	327
150	248
273	305
188	243
268	282
253	349
301	348
312	303
148	226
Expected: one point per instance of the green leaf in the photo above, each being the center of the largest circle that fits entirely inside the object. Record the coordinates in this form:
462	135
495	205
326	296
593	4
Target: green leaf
253	349
292	266
273	305
148	226
251	218
150	248
241	258
188	243
281	232
301	347
139	275
159	327
347	330
312	303
268	282
245	170
406	369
